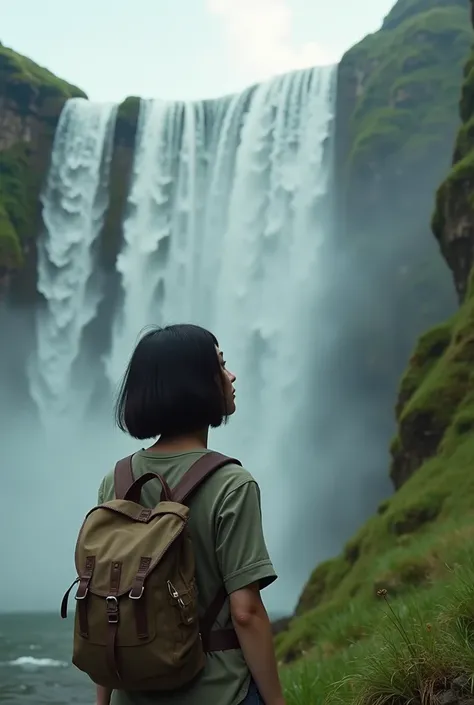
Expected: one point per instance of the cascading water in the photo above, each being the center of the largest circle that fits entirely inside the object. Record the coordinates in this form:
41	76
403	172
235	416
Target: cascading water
227	211
74	202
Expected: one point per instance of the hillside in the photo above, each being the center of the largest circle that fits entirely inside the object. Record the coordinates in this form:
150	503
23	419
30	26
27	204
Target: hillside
396	120
391	620
31	99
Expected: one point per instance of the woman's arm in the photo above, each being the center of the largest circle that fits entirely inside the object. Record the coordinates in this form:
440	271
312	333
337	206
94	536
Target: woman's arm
254	631
103	695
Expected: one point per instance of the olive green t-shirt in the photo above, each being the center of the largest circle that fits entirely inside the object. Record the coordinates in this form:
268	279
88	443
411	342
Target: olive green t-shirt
226	529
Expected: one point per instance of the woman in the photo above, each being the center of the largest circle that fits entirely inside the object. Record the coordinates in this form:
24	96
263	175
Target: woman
176	387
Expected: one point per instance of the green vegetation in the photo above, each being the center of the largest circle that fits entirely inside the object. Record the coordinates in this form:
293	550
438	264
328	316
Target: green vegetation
17	206
410	74
417	649
29	85
407	8
408	548
391	620
32	101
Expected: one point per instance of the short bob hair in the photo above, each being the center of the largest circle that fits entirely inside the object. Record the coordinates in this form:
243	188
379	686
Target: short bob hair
172	385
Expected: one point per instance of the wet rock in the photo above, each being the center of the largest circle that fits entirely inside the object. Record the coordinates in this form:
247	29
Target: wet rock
461	683
447	697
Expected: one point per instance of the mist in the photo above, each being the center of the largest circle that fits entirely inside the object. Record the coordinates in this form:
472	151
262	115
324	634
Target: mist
314	325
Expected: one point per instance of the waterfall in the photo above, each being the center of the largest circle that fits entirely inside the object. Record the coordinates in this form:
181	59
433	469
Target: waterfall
74	202
227	212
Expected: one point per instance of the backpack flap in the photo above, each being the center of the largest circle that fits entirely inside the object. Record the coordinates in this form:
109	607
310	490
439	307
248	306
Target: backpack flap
122	533
136	596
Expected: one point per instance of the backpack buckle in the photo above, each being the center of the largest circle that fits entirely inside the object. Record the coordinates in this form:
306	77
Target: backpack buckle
112	609
133	596
81	595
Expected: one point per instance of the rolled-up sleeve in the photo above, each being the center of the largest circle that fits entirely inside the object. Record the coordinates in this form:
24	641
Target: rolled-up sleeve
240	544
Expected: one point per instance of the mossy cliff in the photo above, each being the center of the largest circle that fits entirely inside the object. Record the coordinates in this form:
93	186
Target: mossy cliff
397	117
31	100
391	619
399	90
396	120
453	220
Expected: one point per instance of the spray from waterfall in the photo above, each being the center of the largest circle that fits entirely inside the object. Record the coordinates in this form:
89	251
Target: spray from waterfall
74	203
228	209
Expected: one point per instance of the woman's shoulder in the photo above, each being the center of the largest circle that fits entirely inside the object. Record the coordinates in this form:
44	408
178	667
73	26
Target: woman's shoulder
225	480
230	477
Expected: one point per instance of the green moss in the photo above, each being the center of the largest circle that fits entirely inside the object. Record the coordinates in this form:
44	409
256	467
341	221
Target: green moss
410	517
405	9
427	523
17	203
465	140
411	85
413	649
10	249
322	580
36	97
430	347
24	82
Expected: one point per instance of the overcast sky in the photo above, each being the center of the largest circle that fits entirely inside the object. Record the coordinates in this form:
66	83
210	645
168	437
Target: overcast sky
182	49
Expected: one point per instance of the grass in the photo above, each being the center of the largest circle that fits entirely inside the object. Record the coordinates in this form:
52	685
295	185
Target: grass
25	83
410	76
410	651
418	547
391	620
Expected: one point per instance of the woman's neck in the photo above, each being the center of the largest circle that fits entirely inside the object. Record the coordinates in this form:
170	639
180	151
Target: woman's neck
192	441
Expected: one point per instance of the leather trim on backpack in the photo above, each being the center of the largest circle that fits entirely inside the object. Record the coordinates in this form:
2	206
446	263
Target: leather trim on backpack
206	465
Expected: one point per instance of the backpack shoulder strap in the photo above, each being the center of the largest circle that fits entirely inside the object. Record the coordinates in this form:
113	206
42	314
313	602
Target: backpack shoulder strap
198	472
123	477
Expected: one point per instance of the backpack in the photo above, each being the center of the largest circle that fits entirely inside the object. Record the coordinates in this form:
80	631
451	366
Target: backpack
136	621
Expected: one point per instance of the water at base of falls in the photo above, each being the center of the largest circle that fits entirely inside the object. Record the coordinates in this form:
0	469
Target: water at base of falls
228	209
74	203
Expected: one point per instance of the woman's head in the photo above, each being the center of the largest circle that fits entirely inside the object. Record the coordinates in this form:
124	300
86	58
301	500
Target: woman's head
176	383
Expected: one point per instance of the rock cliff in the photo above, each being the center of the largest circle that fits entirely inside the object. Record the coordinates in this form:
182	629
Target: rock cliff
391	620
397	117
31	100
408	542
434	411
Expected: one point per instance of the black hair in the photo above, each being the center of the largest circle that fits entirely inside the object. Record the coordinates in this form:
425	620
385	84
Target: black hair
172	385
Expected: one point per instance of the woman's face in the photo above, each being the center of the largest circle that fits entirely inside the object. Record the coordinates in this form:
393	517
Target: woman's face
228	379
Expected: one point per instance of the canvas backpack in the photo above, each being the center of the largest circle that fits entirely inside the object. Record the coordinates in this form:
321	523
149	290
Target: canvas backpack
136	621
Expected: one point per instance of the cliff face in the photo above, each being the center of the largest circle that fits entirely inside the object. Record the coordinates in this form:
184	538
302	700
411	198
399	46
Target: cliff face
397	118
453	221
434	410
415	554
31	100
400	88
421	528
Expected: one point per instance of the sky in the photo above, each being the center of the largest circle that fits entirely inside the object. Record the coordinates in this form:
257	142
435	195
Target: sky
183	49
